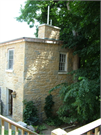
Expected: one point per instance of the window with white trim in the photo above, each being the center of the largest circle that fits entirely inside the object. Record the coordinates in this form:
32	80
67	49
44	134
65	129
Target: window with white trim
62	62
10	59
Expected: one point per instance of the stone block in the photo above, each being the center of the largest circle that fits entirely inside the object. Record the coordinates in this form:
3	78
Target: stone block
22	124
30	127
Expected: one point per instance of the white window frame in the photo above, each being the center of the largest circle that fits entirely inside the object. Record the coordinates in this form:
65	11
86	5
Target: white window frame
65	66
8	68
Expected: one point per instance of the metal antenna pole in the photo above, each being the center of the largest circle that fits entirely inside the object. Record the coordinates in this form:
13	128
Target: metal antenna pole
48	15
51	22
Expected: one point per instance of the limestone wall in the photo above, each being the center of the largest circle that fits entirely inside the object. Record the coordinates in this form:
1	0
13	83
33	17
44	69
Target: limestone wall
41	72
12	79
47	31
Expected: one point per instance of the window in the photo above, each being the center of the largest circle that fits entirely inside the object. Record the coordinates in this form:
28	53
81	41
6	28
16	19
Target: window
63	62
10	59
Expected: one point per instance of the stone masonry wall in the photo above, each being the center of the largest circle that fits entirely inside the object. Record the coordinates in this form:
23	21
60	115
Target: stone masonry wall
41	72
35	72
12	80
47	31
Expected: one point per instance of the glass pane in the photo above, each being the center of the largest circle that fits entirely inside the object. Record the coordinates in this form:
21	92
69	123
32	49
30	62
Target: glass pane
10	64
11	54
62	62
64	56
61	58
63	66
10	57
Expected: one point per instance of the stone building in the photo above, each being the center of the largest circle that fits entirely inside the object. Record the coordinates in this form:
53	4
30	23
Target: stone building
30	67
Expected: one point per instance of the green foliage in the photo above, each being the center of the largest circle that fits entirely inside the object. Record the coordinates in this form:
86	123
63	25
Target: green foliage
48	106
42	127
36	10
30	113
54	121
78	102
39	128
51	119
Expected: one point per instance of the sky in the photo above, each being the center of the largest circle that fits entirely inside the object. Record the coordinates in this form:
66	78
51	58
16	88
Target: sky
10	28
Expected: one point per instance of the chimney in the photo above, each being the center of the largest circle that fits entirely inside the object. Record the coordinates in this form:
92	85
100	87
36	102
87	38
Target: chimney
46	31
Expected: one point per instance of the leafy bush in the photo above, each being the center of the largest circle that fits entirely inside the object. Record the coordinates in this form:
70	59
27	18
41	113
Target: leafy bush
55	121
39	128
30	113
48	106
32	121
80	101
51	119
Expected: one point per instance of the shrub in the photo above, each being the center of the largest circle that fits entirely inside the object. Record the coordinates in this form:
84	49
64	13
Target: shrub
30	113
80	101
48	106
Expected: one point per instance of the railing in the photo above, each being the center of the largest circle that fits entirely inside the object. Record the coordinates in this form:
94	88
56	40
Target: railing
17	127
84	130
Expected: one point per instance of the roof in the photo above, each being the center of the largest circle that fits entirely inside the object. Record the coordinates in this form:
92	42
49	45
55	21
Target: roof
50	26
29	39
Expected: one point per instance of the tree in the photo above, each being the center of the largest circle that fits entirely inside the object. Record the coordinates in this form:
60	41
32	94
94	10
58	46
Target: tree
80	30
36	10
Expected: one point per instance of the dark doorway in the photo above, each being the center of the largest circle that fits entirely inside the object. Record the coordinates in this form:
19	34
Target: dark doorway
10	102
